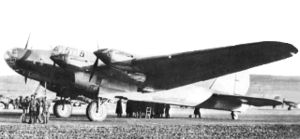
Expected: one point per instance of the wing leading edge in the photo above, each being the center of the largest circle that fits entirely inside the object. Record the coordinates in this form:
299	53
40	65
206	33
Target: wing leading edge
166	72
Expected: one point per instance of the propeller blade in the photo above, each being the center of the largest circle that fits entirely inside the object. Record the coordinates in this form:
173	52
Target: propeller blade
25	79
52	74
27	42
26	76
93	70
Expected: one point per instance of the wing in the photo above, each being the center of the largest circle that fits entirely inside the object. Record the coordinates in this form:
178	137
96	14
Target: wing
165	72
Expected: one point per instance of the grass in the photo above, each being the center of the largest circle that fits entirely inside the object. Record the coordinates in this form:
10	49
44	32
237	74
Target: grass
149	131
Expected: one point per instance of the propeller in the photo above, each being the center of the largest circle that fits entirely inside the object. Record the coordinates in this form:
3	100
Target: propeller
26	73
27	41
25	79
95	65
93	69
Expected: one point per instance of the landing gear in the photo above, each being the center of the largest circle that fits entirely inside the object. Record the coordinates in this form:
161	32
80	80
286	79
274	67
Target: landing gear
290	108
2	105
96	111
234	115
62	109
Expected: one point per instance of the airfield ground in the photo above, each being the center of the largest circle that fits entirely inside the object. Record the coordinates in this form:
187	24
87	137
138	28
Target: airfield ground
254	123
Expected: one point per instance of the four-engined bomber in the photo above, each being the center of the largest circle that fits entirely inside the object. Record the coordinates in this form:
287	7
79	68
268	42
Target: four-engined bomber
170	79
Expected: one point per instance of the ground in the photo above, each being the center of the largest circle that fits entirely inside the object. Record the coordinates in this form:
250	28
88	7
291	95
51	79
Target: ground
255	123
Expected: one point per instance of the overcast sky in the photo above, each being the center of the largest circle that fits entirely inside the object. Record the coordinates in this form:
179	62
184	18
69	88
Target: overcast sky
151	27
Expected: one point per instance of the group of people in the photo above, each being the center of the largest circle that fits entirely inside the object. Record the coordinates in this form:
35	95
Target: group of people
36	108
138	109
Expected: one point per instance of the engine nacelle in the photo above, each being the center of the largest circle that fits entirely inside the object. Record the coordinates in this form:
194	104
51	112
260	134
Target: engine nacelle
106	85
81	81
109	56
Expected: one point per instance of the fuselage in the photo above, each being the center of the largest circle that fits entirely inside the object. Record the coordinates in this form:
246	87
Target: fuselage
67	72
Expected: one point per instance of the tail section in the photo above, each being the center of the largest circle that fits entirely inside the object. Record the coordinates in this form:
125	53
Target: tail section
234	84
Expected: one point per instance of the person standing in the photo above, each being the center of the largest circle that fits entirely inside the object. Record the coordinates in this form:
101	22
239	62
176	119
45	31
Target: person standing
197	112
32	110
119	108
20	101
24	106
167	109
15	103
46	107
39	110
161	110
129	108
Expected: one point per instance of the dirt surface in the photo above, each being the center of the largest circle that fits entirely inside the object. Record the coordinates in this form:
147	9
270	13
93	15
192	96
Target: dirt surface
263	123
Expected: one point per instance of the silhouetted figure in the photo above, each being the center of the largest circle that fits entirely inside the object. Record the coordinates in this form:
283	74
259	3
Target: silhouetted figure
161	110
129	108
197	112
16	103
39	110
46	107
24	106
136	108
167	109
32	109
20	102
119	108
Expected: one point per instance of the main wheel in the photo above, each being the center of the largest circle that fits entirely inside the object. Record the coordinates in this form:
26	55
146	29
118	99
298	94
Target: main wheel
2	105
96	115
234	115
62	109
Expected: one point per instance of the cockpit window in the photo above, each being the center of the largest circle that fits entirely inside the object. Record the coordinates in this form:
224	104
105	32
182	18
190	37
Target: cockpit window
14	51
57	50
68	51
81	54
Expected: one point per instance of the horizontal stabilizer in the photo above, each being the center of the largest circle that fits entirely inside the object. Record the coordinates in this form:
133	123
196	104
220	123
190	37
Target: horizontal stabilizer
254	101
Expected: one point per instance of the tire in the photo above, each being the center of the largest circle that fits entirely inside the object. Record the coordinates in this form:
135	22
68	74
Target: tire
62	109
93	115
2	106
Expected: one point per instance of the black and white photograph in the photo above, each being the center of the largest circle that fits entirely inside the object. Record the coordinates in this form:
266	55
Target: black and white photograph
149	69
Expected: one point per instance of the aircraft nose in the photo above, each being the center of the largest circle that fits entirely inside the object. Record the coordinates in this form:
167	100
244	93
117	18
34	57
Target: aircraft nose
7	55
10	57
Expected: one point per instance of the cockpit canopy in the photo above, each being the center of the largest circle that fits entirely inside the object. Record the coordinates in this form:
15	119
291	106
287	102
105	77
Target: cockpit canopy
67	51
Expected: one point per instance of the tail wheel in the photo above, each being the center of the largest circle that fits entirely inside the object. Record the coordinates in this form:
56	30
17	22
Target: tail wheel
234	115
62	109
96	114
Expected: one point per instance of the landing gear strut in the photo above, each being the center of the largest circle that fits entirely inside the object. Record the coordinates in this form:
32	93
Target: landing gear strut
62	109
96	110
234	115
